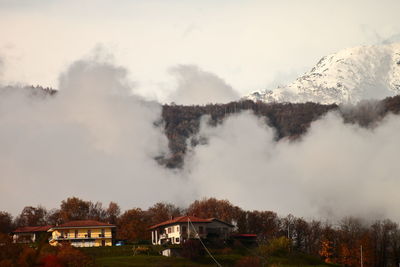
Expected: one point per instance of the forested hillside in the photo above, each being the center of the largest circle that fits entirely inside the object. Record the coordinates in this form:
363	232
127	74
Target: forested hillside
289	120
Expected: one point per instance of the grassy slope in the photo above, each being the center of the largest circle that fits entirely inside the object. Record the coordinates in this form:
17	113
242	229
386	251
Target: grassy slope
123	256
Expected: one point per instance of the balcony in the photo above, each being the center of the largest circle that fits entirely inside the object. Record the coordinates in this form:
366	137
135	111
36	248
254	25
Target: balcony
85	237
163	236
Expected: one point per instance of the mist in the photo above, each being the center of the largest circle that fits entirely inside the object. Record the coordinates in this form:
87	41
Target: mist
335	170
199	87
93	140
97	140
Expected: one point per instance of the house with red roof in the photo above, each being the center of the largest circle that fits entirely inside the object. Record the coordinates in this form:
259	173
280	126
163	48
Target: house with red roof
180	229
29	234
84	233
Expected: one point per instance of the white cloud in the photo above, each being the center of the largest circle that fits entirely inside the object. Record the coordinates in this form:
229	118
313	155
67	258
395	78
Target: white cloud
335	170
198	87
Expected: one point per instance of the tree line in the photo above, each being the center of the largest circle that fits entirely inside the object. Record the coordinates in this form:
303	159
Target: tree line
290	120
340	243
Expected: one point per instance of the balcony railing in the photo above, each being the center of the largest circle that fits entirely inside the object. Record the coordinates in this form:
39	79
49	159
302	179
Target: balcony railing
162	236
61	238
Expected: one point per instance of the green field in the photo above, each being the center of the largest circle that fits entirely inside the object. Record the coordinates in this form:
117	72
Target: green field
123	256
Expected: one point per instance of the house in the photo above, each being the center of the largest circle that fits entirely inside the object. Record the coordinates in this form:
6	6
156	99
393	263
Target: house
30	234
85	233
178	230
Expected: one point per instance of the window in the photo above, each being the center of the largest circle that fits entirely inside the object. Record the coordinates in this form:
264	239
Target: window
169	230
89	233
177	228
177	240
76	233
201	230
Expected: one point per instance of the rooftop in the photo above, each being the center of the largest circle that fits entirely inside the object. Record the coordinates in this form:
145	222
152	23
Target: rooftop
31	229
185	219
83	223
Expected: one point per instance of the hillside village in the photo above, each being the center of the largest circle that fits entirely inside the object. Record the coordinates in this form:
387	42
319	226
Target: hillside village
208	231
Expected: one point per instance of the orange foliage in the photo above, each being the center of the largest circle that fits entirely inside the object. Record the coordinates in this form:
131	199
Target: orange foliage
327	251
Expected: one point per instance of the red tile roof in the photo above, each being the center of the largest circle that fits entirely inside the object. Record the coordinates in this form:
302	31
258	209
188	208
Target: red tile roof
184	219
31	229
83	223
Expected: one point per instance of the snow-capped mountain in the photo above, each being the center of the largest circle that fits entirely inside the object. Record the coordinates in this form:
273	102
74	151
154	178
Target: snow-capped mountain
351	75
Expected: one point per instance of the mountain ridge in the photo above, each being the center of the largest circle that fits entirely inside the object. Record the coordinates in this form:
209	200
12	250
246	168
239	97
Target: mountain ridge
348	76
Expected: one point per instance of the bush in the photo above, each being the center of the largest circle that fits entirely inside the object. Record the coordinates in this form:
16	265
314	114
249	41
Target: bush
249	261
50	260
27	257
141	250
280	246
72	257
192	249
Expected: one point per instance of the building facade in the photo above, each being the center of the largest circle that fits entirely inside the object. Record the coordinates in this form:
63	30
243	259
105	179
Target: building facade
83	234
178	230
30	234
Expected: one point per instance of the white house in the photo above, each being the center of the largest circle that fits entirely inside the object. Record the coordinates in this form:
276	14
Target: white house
178	230
29	234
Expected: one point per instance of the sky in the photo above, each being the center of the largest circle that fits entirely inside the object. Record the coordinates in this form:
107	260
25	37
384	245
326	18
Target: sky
249	45
115	63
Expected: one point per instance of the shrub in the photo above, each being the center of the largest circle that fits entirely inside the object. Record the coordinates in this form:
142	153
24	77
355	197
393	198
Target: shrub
192	249
280	246
248	261
51	260
140	250
72	257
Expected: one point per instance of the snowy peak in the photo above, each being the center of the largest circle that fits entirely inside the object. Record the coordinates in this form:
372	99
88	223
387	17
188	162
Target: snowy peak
349	76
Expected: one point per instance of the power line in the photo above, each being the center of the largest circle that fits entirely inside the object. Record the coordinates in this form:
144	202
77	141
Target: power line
209	253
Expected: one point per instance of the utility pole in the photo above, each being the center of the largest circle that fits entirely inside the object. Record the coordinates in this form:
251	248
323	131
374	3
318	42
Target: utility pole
188	230
361	256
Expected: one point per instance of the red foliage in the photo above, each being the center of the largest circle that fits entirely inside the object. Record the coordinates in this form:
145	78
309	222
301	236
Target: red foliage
51	261
249	261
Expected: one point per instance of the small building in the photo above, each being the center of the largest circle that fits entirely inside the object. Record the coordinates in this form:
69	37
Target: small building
30	234
85	233
178	230
172	252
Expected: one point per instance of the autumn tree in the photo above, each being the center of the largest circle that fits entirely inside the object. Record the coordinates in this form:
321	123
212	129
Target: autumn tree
386	247
97	212
162	211
312	239
74	209
112	212
329	243
263	223
214	208
133	226
32	216
9	251
5	222
54	217
327	251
